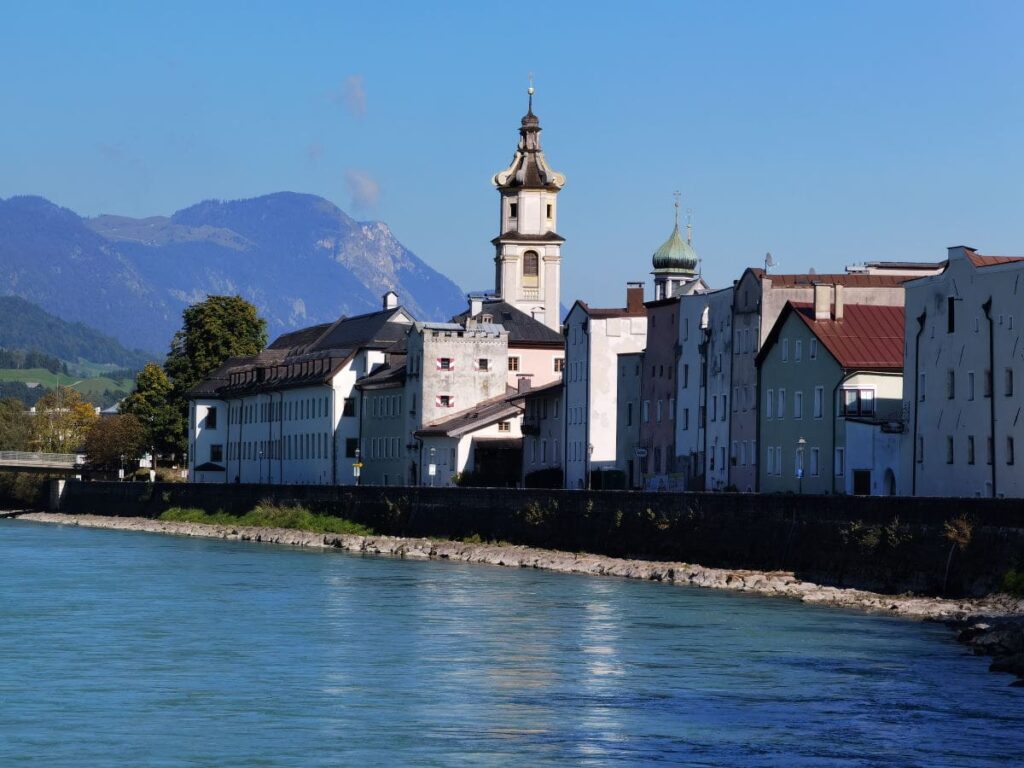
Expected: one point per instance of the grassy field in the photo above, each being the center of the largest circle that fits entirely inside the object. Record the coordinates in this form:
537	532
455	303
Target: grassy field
96	385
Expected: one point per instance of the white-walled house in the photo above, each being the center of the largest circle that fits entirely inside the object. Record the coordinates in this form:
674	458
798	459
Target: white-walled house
543	429
290	413
629	453
595	337
964	354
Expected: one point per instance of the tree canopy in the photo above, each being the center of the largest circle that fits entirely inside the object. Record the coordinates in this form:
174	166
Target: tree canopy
62	421
15	426
151	404
112	437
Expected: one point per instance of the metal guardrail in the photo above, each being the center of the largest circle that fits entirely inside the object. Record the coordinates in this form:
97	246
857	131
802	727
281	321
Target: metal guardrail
39	459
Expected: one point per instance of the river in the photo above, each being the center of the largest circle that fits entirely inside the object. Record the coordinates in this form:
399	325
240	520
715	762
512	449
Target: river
124	648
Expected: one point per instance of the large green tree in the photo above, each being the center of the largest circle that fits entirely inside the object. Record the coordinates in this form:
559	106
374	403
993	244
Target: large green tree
15	426
151	403
212	331
112	437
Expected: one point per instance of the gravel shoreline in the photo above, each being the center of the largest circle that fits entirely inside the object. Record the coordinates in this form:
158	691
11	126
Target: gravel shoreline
992	625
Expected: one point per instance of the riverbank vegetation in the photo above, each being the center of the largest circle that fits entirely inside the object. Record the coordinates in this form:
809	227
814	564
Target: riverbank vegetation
269	515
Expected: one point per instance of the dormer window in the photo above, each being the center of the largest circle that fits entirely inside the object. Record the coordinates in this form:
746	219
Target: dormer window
486	318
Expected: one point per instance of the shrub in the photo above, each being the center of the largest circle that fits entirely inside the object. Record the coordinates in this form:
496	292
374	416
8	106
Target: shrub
267	514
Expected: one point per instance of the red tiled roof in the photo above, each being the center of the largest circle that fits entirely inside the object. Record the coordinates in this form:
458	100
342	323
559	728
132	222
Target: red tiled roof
867	337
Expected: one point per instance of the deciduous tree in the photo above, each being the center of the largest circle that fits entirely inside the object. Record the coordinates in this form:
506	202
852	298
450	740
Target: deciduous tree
151	404
15	425
62	421
112	437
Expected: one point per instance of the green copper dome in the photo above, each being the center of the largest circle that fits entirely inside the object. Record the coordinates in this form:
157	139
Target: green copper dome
676	254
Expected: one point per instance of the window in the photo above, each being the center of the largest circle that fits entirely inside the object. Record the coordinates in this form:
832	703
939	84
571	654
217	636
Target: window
988	451
504	426
815	457
216	453
819	401
351	444
714	407
970	449
629	414
531	269
671	409
445	401
950	384
812	349
769	410
858	402
725	406
920	449
920	387
798	404
798	350
840	462
513	363
949	449
780	411
1009	450
445	364
988	383
769	462
513	210
970	385
686	418
559	364
211	418
657	412
646	411
950	314
1008	379
483	364
785	350
550	210
686	375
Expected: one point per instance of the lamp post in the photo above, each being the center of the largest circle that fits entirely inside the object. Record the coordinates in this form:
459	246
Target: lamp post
800	464
356	469
590	461
433	467
120	476
261	466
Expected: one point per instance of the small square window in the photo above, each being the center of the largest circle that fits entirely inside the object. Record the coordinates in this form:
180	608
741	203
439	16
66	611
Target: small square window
513	210
482	364
444	401
513	363
559	364
504	426
445	364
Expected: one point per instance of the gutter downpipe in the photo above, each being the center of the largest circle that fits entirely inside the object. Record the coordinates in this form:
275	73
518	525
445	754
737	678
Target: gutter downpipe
991	384
917	399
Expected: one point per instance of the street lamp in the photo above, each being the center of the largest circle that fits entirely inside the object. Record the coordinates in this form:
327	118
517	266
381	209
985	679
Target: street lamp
121	475
261	466
590	462
800	464
432	470
356	473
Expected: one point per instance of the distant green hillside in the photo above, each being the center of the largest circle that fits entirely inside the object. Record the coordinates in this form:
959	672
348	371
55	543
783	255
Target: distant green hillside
25	326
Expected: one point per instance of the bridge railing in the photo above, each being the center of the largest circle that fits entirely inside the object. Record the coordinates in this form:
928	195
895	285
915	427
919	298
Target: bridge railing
38	458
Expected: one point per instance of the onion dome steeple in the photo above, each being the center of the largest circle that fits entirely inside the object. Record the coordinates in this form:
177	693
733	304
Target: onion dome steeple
529	168
675	262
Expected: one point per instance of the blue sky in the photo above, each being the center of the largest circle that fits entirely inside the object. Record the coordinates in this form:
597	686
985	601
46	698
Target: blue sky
826	133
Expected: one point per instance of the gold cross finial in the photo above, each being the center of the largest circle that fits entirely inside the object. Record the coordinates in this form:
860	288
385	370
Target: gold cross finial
677	194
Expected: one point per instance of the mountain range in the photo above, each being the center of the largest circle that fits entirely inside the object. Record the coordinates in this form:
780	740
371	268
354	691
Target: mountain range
299	258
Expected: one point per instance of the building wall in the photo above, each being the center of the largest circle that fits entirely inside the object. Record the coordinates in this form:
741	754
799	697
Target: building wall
536	362
719	406
384	451
746	323
541	301
205	442
592	347
658	397
627	430
544	432
690	399
938	422
870	449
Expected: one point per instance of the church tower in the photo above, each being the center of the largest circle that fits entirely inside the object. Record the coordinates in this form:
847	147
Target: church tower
528	252
675	263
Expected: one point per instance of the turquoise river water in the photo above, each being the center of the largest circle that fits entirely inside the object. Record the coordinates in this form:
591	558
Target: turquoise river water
129	649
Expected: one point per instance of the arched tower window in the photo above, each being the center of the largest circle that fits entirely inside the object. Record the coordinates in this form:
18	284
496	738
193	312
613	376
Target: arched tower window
531	269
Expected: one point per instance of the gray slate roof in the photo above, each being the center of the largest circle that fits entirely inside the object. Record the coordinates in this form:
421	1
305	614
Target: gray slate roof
521	328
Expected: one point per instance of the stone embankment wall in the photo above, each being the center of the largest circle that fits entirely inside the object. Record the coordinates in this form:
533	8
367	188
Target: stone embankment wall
886	544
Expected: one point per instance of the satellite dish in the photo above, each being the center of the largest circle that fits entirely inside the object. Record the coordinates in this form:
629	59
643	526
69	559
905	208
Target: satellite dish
769	262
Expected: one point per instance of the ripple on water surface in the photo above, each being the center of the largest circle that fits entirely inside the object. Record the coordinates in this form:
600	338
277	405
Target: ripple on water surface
133	649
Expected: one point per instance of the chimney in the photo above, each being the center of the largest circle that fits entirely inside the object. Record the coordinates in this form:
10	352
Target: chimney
524	382
822	301
476	305
635	298
838	314
390	300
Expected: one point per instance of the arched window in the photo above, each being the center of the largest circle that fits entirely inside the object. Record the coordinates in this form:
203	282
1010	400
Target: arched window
531	269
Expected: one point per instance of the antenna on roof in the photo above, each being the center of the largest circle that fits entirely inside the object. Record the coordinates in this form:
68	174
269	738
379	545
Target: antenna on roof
769	262
812	271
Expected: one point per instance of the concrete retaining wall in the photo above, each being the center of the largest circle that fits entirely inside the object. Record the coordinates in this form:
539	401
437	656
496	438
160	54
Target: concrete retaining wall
885	544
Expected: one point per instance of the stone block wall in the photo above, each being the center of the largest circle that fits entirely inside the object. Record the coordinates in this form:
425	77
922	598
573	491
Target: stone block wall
889	544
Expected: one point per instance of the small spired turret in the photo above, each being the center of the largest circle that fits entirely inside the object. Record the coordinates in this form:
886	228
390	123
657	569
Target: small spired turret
675	262
529	168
